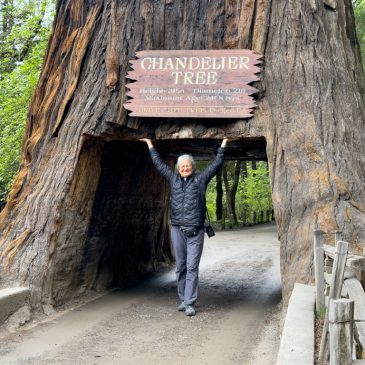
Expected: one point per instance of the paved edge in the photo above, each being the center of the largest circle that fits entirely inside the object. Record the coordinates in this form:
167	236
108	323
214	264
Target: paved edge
297	340
11	299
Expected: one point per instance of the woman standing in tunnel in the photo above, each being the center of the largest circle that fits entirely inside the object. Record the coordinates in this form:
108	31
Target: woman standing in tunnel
188	188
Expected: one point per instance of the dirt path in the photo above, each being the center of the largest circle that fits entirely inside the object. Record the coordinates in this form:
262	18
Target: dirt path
236	323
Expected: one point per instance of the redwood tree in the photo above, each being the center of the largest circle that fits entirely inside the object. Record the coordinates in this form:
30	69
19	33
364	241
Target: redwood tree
87	210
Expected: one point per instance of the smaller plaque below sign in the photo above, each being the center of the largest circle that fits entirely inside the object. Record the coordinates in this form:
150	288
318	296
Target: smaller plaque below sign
204	83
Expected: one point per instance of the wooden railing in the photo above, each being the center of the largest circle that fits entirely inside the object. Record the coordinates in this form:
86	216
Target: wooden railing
340	294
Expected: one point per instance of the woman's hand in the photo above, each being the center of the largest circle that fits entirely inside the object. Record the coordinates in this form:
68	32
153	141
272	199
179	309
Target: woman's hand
229	140
148	141
224	142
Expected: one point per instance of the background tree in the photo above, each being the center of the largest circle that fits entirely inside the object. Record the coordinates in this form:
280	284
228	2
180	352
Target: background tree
24	35
231	174
219	196
248	191
255	190
359	7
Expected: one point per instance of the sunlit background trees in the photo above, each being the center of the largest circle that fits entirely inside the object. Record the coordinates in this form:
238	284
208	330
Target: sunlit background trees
25	27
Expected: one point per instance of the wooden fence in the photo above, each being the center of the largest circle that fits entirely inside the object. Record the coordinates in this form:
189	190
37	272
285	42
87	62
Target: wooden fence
339	293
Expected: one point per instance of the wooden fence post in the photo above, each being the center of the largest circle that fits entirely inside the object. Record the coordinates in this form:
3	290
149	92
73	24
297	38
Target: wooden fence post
335	292
341	318
338	236
319	269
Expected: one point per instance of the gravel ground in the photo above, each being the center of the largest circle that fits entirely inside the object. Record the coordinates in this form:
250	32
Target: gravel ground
237	321
318	335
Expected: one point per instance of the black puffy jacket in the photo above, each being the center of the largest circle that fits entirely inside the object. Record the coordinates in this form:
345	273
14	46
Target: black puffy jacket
188	200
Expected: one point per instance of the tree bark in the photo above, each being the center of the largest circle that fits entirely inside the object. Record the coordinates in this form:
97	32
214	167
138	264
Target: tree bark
69	218
233	190
315	124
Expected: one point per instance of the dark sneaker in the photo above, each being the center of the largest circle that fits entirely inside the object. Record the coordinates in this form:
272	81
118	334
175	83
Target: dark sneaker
181	307
189	310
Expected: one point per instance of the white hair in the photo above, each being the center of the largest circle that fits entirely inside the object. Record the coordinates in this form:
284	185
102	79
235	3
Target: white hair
186	157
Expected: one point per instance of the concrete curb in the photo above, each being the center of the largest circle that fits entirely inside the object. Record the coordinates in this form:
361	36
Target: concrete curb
297	340
11	299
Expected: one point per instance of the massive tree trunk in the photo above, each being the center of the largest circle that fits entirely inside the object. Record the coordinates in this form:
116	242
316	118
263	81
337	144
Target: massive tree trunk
87	210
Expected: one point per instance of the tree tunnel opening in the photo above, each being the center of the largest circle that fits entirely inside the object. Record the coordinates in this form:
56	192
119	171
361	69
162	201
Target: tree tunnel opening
128	235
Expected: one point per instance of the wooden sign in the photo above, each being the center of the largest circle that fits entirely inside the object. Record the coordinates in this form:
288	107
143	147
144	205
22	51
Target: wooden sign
193	83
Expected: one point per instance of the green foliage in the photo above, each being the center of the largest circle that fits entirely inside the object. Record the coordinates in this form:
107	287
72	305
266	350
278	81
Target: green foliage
210	198
253	193
256	189
359	9
22	46
321	313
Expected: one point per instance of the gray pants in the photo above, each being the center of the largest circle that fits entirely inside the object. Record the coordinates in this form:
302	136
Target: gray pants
188	251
